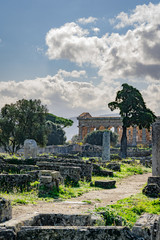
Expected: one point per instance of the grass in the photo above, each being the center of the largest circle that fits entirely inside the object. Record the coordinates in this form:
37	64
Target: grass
130	209
21	198
67	192
126	171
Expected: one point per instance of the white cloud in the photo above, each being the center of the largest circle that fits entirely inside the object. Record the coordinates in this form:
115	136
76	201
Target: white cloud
73	74
62	97
72	42
71	98
96	30
87	20
133	55
142	14
152	97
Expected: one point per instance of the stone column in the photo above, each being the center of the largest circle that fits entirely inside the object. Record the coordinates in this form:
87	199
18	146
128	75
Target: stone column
153	186
88	130
106	147
80	133
156	149
116	130
134	142
143	135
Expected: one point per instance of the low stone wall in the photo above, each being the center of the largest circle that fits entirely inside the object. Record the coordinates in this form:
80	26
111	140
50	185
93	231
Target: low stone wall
7	234
5	210
62	220
14	168
70	173
114	166
86	167
99	172
75	233
148	227
37	227
135	152
15	182
18	161
49	219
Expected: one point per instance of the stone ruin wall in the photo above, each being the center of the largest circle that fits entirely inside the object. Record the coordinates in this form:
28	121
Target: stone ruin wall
12	182
60	227
135	136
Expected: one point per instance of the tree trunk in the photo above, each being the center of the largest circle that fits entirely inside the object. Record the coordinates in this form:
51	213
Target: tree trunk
124	143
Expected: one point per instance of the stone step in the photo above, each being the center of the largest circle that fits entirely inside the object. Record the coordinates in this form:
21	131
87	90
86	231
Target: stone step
105	184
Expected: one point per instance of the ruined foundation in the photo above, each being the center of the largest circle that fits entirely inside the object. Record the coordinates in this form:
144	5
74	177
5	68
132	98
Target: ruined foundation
77	227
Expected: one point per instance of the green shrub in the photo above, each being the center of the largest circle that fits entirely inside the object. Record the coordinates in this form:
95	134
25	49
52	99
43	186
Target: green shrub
96	137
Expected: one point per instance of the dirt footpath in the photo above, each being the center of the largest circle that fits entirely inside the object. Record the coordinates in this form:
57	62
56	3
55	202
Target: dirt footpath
125	188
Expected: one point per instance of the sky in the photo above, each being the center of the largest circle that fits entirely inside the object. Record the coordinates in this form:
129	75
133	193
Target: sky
74	55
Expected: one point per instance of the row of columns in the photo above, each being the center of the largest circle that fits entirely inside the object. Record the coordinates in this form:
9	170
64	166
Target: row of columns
132	138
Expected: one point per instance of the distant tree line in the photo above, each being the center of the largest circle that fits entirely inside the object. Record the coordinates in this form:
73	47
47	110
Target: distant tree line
29	119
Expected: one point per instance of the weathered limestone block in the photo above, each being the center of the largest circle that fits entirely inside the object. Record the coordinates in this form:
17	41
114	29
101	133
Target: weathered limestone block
5	210
51	219
114	166
62	220
99	172
14	168
30	148
147	227
151	190
48	181
7	234
153	187
10	182
106	147
156	149
105	184
70	173
45	179
75	233
154	180
86	167
106	173
52	174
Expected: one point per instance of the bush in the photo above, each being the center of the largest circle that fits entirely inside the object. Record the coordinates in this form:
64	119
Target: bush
96	137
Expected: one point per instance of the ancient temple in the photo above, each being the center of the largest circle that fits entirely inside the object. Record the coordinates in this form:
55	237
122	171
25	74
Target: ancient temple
135	136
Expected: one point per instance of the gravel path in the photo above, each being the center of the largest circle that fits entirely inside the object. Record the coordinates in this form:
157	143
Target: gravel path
125	188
